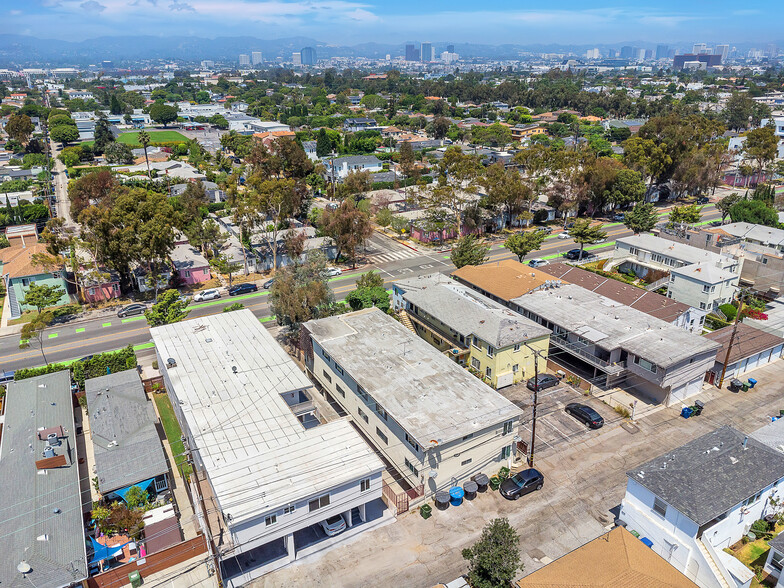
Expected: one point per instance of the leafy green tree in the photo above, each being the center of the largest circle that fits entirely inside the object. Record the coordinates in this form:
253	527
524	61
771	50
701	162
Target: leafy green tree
371	279
34	331
61	119
19	127
348	226
103	135
468	250
373	101
495	558
685	215
323	144
626	188
755	212
760	148
162	113
586	234
521	244
384	217
368	298
441	127
136	498
64	134
69	156
169	309
641	219
219	121
224	265
726	203
42	296
300	292
115	106
117	152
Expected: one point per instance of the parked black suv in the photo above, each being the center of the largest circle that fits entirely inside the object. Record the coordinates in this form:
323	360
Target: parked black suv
585	414
575	254
522	483
242	288
545	381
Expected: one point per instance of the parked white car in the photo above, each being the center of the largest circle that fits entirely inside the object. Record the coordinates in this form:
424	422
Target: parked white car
564	236
332	271
537	262
334	525
211	294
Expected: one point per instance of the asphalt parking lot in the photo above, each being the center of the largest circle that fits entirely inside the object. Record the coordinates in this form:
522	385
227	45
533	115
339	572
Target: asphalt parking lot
554	427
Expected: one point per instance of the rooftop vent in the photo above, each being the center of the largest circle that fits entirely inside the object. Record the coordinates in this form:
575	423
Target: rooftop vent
234	369
170	363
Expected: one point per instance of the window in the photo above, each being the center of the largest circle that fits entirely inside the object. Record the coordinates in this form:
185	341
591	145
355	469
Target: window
92	291
339	369
362	393
318	503
752	499
411	467
702	306
659	507
289	509
506	452
326	356
362	414
364	485
381	436
381	412
467	437
270	520
340	390
25	282
515	368
489	372
645	364
436	340
475	342
56	275
476	364
490	351
411	442
517	347
508	426
777	560
466	462
327	377
187	273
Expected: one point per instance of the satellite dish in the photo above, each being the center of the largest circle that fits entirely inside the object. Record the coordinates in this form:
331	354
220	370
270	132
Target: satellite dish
24	567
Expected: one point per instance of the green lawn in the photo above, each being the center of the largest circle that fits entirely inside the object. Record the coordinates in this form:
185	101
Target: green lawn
173	432
155	137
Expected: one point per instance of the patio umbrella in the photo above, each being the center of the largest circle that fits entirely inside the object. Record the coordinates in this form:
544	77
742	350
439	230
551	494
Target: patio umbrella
103	552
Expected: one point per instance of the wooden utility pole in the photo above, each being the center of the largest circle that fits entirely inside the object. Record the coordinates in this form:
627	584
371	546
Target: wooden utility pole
537	355
732	339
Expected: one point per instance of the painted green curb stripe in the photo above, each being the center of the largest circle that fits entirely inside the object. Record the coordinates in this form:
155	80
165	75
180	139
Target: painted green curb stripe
230	300
143	346
106	324
136	318
266	319
52	335
80	330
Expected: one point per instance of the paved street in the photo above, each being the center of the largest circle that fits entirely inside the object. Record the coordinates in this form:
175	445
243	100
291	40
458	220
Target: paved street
585	480
104	331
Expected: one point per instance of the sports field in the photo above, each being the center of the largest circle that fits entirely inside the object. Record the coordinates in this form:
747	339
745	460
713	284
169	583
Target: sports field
132	138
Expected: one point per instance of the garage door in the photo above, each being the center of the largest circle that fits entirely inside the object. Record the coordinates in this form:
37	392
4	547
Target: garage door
685	391
506	379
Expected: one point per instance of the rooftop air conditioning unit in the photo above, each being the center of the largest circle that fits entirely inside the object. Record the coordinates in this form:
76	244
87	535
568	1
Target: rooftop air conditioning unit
170	363
52	440
49	451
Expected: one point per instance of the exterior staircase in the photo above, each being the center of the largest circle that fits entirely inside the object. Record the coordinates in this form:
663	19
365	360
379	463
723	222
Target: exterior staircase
713	564
13	303
406	321
657	284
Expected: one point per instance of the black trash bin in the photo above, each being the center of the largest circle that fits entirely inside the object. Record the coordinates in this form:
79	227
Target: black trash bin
442	500
470	489
698	406
735	385
482	481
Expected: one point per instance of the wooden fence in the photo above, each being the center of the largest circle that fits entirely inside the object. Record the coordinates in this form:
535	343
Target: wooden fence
154	385
399	501
156	562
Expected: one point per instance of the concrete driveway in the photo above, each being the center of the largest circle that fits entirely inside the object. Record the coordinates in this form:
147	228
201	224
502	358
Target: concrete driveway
585	480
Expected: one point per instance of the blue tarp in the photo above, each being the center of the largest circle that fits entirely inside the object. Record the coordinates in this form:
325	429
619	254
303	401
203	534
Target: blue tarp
102	552
143	485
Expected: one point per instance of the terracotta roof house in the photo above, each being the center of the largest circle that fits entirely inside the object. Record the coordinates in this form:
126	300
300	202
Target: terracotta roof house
19	272
617	558
751	348
504	280
656	305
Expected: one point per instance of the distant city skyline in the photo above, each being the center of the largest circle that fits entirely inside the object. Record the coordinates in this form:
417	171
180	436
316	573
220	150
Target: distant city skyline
357	21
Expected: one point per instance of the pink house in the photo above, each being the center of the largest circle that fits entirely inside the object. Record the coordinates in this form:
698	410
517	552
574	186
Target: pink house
190	265
104	287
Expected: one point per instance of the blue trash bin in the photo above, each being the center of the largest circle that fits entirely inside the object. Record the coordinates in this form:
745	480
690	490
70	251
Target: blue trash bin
752	382
456	494
686	412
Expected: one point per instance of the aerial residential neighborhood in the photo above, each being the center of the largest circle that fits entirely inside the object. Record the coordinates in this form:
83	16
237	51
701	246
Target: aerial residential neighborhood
391	297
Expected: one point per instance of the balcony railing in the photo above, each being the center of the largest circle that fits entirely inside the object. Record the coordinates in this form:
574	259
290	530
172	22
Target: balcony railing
612	368
448	338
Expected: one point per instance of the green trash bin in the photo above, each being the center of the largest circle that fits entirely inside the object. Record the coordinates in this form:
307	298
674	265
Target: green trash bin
745	387
135	578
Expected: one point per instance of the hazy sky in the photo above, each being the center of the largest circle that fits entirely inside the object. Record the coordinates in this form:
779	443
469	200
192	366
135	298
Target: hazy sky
353	21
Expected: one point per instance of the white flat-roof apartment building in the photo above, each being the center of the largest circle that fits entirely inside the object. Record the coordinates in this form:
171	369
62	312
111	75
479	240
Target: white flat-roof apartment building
698	277
264	475
432	420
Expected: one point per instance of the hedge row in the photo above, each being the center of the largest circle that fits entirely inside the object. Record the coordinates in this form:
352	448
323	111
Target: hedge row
391	185
101	364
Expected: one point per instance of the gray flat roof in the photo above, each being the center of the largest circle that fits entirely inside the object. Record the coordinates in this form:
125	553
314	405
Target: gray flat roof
760	233
679	251
31	497
611	325
120	412
428	394
712	474
705	272
468	312
257	454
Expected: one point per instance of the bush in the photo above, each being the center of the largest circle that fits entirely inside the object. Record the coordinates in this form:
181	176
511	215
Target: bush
235	306
155	364
713	322
729	311
623	411
102	364
216	206
66	310
25	373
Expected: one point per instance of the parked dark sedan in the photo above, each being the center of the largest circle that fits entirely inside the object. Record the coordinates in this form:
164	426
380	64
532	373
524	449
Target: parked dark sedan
522	483
242	289
585	414
268	284
575	254
544	380
131	309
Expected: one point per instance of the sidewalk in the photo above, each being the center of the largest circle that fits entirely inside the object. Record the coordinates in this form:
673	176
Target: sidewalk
5	328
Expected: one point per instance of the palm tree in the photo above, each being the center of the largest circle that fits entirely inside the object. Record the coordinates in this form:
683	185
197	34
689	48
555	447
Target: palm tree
144	139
